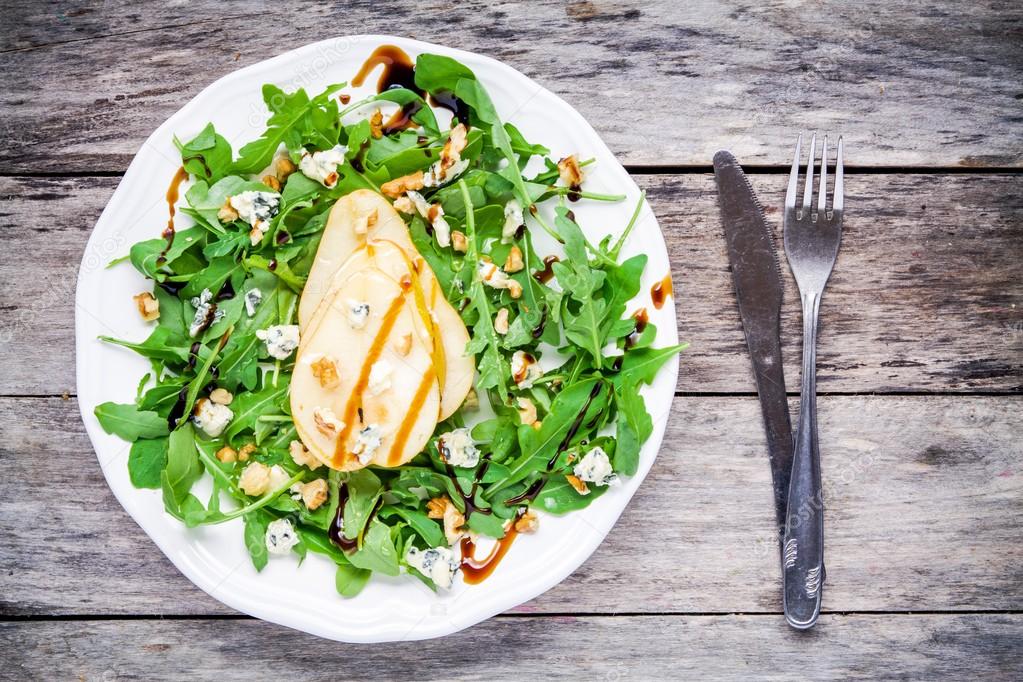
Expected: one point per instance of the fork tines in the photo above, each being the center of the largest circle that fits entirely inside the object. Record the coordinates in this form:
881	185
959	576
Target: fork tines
790	195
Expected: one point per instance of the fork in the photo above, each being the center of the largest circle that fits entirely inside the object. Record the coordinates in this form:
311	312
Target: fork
812	237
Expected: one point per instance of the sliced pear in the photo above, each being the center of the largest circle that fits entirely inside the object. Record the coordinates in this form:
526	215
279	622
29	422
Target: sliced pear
349	229
331	415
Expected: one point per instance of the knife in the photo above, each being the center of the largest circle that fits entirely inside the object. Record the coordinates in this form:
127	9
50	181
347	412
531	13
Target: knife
756	275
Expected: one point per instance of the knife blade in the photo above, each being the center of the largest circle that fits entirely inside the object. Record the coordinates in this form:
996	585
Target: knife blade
756	275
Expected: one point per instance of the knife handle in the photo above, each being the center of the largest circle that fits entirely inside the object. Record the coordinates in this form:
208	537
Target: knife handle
803	551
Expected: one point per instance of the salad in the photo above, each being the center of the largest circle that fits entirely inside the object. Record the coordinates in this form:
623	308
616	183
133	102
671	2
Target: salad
356	348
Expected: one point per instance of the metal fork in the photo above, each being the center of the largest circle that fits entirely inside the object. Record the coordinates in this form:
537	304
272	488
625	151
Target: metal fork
812	237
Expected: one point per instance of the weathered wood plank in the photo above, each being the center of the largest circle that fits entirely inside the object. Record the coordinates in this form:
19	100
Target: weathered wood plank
855	647
924	513
927	294
908	85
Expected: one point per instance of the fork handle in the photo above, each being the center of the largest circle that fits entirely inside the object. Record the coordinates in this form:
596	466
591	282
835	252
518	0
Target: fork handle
803	550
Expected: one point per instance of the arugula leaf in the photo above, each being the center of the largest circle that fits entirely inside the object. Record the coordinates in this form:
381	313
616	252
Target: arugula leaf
129	422
364	489
349	580
642	364
256	524
428	529
377	552
208	155
146	460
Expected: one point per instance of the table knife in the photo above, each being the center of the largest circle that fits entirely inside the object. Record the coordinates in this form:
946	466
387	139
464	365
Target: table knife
756	275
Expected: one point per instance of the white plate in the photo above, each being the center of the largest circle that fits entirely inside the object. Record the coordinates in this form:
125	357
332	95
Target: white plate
214	558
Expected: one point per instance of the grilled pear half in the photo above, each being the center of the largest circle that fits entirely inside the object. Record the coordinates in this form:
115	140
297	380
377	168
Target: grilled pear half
366	218
365	390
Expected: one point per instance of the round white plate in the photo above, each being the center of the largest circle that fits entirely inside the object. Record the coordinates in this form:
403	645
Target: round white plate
215	558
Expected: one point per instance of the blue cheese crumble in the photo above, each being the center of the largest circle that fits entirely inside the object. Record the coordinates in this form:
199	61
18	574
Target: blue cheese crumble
366	443
206	313
439	564
281	340
512	220
211	417
525	370
357	313
257	209
280	537
253	297
322	166
458	449
379	378
595	468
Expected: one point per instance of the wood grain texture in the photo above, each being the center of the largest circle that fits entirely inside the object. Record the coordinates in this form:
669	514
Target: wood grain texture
908	84
903	476
859	647
927	294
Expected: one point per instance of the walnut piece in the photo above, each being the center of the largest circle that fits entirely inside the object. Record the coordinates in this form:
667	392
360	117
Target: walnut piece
327	422
221	396
570	171
255	479
578	484
227	454
302	456
314	493
284	167
527	411
527	523
325	369
459	242
272	182
395	188
514	289
149	307
246	451
376	124
227	214
403	345
501	321
514	261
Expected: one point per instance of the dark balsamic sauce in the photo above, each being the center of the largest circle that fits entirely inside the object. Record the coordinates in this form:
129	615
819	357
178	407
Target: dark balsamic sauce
399	70
529	494
576	424
475	571
469	498
660	291
545	275
335	531
177	412
642	318
172	198
447	100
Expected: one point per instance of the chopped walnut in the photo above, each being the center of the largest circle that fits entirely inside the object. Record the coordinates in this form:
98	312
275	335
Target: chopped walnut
501	321
376	124
514	289
527	523
570	171
537	425
221	396
365	221
472	400
149	307
327	422
578	484
404	205
245	451
314	493
255	479
459	242
436	506
395	188
284	168
227	454
452	151
302	456
527	411
325	369
514	261
404	344
272	182
256	234
227	213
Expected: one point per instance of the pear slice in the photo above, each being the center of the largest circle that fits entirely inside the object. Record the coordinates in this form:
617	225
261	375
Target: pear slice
365	217
346	420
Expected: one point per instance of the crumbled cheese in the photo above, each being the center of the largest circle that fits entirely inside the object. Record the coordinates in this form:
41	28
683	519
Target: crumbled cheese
211	417
281	340
256	208
206	313
437	176
419	202
278	477
595	467
493	276
357	313
280	537
379	378
367	442
322	166
253	297
439	564
512	220
432	214
458	449
525	370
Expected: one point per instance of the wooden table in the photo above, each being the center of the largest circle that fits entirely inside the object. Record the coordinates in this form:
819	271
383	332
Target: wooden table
920	363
